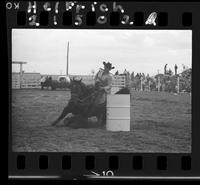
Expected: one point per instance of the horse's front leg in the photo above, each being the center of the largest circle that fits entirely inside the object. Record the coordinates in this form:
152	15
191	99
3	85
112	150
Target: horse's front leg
65	111
101	114
68	119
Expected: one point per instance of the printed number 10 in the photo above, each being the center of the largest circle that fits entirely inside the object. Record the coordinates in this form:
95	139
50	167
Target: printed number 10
108	173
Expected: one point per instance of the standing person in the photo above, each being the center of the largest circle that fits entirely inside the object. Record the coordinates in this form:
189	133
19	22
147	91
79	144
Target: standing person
183	67
170	72
143	75
132	75
165	69
42	81
175	68
117	73
50	78
125	72
103	84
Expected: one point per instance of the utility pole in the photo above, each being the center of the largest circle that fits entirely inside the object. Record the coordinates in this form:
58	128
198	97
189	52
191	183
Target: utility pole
20	74
67	59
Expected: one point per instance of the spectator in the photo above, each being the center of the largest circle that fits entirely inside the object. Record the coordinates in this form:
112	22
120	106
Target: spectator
165	69
43	79
50	78
175	68
125	71
170	72
132	75
143	75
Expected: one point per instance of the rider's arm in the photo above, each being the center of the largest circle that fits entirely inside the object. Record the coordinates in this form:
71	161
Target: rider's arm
109	84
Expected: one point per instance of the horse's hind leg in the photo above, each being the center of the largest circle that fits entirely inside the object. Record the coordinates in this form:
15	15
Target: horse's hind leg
65	111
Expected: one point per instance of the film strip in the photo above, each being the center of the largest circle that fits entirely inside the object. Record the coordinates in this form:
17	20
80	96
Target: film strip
139	138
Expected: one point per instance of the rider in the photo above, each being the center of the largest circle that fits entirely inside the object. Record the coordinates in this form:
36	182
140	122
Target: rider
103	82
42	79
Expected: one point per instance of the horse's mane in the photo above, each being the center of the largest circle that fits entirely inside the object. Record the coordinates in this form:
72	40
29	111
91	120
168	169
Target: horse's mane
86	89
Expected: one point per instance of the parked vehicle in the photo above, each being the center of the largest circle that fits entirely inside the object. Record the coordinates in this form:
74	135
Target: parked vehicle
61	83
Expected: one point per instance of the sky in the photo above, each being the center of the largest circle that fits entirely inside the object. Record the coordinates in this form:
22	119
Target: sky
141	51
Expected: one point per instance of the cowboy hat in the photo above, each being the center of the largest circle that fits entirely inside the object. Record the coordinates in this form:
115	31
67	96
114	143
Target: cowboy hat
108	65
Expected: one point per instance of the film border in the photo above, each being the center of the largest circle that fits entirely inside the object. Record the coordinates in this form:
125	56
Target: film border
175	11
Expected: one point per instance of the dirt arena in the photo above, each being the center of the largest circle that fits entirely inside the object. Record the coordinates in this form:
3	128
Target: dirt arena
160	122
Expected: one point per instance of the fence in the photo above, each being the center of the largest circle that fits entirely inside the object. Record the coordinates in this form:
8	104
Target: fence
32	80
15	81
119	81
163	83
28	80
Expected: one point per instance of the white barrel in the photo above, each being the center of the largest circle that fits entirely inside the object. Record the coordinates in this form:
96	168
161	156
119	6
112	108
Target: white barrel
118	112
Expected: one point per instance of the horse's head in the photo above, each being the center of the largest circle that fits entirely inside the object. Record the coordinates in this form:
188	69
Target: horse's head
77	87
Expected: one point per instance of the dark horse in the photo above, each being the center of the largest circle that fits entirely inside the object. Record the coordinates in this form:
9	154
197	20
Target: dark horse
83	103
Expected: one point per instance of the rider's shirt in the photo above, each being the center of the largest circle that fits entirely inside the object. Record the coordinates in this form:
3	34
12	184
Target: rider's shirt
105	81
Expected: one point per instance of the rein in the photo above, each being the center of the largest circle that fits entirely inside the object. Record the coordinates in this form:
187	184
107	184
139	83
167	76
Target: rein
83	99
75	96
88	96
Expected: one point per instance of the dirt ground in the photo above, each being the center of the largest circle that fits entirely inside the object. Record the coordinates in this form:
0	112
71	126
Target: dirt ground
160	122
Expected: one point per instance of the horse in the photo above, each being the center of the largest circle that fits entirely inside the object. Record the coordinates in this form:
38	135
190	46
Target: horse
83	104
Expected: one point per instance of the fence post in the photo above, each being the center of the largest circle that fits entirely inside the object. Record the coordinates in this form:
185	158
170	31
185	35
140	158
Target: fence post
20	77
178	81
149	86
159	84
